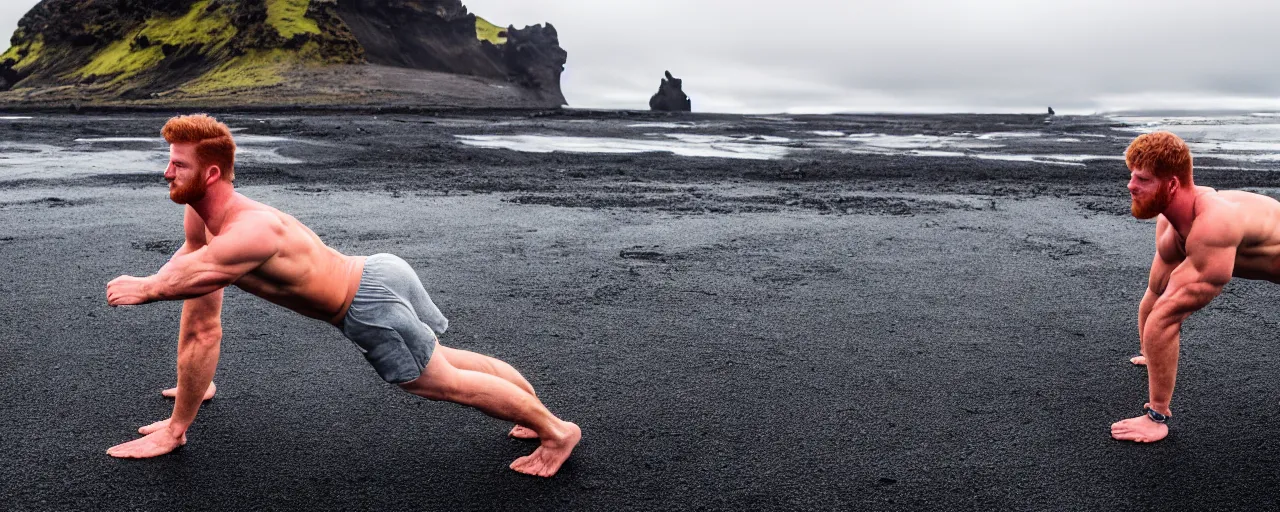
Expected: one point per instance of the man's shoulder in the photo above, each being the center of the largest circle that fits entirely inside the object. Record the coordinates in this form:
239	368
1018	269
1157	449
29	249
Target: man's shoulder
252	214
1217	223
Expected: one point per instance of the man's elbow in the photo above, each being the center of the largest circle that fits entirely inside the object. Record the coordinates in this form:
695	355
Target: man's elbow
1177	308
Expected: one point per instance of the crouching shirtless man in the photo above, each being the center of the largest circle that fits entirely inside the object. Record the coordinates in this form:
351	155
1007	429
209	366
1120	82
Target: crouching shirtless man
1204	238
378	302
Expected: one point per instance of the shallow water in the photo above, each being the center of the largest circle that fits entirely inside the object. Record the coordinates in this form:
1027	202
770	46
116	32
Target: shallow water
691	146
1249	138
1244	138
117	155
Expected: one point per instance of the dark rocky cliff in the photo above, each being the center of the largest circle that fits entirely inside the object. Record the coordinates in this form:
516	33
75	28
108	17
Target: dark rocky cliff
260	51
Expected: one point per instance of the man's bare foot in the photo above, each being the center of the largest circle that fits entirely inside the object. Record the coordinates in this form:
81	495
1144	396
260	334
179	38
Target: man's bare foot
522	432
1138	360
553	451
208	393
1140	429
155	444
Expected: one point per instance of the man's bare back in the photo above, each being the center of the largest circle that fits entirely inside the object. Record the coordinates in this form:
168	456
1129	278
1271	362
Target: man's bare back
1258	219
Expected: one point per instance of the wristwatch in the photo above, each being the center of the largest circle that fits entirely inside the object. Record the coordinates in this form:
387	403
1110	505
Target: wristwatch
1155	416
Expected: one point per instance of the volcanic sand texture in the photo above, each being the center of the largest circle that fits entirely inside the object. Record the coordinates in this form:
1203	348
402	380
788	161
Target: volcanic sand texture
966	350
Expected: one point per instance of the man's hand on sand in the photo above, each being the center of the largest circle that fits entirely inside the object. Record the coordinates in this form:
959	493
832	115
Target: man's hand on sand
208	393
158	441
551	454
1141	429
1138	360
126	291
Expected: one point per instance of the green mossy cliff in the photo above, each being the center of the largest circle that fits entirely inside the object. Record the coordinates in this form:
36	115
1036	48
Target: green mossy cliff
260	52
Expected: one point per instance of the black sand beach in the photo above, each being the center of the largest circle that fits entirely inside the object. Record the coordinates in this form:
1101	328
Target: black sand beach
827	330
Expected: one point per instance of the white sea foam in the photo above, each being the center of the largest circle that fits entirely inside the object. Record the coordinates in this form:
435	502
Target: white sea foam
1039	159
1007	135
663	125
692	146
153	140
713	139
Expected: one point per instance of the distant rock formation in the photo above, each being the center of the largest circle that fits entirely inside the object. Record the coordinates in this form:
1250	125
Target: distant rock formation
670	96
1051	111
256	51
439	35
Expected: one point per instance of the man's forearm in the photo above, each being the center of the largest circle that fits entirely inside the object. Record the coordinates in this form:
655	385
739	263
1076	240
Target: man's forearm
1160	341
1144	311
197	362
180	281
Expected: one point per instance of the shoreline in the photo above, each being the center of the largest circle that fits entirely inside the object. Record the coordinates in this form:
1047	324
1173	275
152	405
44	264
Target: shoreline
821	331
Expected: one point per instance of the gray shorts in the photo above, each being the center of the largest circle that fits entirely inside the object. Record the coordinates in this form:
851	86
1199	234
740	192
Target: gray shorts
392	319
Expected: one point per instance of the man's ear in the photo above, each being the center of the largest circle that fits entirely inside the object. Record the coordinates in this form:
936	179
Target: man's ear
213	175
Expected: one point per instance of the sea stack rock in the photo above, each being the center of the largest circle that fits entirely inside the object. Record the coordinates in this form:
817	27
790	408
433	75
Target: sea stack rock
1050	110
273	52
670	97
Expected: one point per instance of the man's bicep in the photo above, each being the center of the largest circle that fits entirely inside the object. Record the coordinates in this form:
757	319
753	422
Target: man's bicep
1213	254
1197	281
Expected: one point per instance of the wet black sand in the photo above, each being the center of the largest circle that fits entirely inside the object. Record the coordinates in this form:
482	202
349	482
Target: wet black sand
825	331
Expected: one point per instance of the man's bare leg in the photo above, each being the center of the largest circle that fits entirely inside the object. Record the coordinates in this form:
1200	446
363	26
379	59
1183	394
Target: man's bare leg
208	393
467	360
501	399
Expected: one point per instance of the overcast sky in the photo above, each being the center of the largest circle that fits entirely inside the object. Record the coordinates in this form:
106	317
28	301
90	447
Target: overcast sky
1080	56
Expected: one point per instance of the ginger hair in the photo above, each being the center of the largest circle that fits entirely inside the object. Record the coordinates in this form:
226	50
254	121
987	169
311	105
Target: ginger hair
214	144
1162	153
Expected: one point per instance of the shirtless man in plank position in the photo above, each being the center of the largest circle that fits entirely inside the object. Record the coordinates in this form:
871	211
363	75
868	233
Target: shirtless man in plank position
1203	238
376	301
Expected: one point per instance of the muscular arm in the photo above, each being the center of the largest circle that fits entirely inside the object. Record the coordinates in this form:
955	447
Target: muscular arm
199	345
1211	251
1166	259
241	247
201	322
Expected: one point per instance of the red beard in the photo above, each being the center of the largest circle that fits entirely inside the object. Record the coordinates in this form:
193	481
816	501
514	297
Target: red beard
191	193
1150	207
